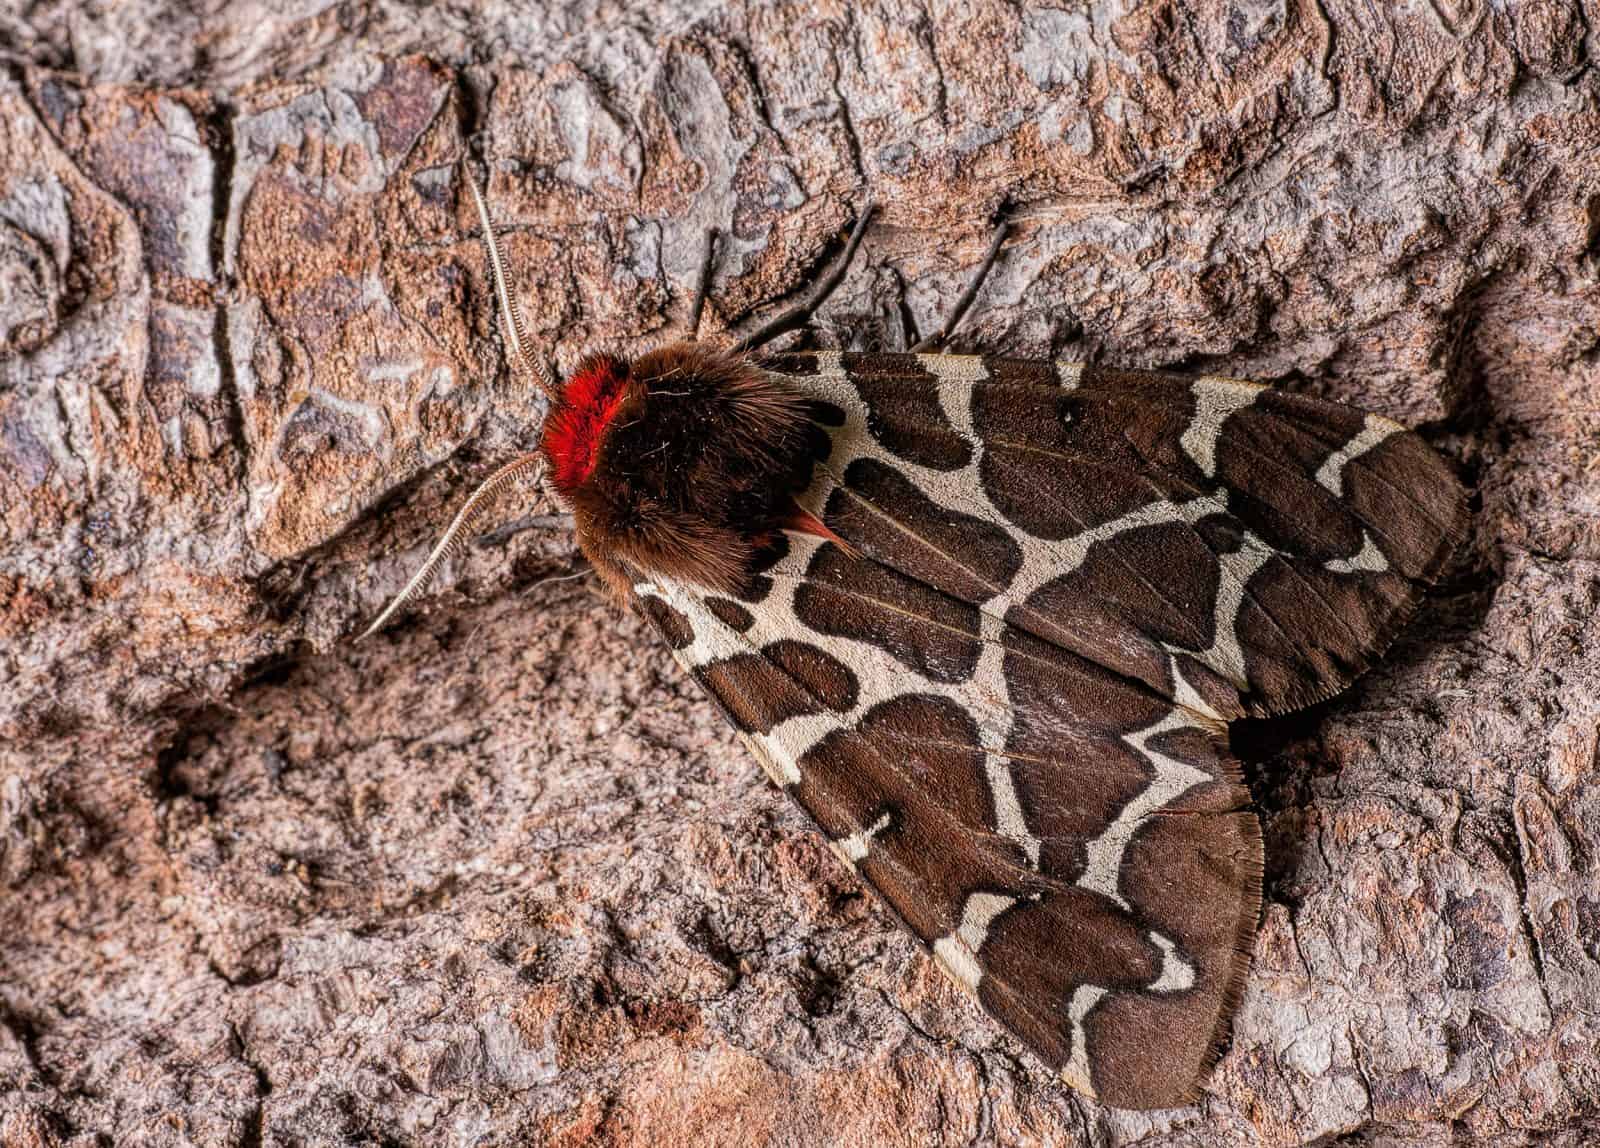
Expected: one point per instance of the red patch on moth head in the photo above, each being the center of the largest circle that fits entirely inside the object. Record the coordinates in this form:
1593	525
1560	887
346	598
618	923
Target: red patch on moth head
577	424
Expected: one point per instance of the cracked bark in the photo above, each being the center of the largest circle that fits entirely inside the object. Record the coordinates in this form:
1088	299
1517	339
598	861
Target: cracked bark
501	876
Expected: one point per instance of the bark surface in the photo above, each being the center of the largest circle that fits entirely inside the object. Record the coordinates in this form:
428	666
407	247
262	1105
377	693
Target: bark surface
501	876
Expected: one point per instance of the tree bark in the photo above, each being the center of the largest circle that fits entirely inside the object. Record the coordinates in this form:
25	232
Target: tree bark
501	876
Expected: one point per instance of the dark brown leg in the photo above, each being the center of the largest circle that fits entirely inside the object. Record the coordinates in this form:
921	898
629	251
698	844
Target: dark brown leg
699	303
937	339
803	310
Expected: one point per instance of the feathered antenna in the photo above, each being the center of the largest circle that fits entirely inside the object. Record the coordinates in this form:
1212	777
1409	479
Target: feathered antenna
456	533
516	334
496	484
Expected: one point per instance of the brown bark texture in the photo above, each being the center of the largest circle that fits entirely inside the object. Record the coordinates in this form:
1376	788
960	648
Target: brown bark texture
501	876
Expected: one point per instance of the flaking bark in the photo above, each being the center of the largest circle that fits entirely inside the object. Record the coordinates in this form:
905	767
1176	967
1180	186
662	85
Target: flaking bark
503	876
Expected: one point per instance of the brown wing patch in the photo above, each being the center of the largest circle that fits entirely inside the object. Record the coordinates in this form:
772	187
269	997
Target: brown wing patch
1039	954
784	680
1404	490
1269	465
757	584
1028	372
917	759
1135	595
1351	616
820	674
673	627
903	412
882	512
881	607
1056	463
730	613
1071	767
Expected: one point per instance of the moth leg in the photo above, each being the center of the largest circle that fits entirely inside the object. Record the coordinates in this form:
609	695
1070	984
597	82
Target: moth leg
516	526
698	304
937	339
803	310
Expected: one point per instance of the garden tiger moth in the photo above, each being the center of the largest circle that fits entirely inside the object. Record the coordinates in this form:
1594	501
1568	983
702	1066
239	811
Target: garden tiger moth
987	620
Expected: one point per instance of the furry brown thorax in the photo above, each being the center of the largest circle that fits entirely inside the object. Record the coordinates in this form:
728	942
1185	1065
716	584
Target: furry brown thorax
683	462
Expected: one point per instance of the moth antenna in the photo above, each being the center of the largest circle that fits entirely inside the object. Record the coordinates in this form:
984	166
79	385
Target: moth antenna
455	534
510	314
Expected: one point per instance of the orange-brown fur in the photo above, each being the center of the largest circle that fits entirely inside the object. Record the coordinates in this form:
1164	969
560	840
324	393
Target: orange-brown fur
695	471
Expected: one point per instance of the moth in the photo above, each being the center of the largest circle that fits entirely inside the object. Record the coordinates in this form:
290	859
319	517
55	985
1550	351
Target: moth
987	620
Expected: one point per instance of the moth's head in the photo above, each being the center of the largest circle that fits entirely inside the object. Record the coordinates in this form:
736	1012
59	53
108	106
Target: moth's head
586	406
682	460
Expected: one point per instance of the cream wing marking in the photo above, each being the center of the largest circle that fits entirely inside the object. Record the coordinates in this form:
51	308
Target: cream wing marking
1177	974
1215	399
1373	432
1368	558
958	952
1173	779
854	847
1076	1071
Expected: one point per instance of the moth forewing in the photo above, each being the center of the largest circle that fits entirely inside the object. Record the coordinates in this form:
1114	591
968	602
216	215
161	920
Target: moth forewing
1006	708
